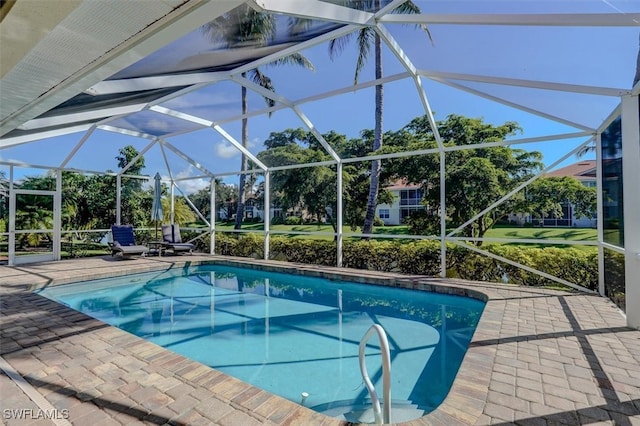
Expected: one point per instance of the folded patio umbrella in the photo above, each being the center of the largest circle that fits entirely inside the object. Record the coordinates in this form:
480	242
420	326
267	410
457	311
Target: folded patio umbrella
156	211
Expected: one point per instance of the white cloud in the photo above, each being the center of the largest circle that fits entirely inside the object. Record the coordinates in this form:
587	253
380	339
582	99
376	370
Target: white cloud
192	185
224	149
157	125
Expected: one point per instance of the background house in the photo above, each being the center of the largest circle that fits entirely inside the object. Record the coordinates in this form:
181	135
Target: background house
585	172
407	198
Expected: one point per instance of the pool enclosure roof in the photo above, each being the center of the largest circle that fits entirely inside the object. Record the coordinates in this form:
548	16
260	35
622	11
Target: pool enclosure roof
86	77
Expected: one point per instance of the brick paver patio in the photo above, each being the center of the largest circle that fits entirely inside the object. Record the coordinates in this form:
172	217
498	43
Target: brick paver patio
538	357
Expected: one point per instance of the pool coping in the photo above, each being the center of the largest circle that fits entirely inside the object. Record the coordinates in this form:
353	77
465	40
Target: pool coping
465	403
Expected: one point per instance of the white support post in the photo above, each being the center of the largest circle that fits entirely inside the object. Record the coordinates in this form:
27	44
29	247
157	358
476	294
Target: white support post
443	217
57	217
266	211
600	213
338	215
212	224
631	197
118	199
12	219
173	201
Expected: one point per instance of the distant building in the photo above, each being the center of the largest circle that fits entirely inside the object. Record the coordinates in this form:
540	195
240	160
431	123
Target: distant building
585	172
407	198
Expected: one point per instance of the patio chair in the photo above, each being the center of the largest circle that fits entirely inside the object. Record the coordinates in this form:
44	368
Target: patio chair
173	240
124	243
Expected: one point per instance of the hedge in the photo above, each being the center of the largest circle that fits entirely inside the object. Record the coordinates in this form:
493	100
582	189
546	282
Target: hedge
423	258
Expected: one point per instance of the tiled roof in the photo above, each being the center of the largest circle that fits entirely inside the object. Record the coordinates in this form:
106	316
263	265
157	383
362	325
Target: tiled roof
402	184
581	170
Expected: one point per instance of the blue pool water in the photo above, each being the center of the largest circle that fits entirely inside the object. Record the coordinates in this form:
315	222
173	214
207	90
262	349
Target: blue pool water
290	334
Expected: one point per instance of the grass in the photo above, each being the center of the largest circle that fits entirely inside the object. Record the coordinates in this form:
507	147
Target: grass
507	232
514	232
572	234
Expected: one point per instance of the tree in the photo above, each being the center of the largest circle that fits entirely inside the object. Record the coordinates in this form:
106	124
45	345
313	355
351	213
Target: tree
226	197
4	201
134	209
313	189
308	189
182	213
546	196
474	178
4	184
636	78
365	39
99	199
238	28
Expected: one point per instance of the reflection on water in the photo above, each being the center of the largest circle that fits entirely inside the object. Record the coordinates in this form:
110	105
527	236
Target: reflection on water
290	334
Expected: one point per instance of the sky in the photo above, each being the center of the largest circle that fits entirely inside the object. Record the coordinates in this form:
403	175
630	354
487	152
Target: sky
601	57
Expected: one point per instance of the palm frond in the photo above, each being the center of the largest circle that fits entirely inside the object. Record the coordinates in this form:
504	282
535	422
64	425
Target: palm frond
258	77
297	26
410	8
366	38
337	45
295	59
240	27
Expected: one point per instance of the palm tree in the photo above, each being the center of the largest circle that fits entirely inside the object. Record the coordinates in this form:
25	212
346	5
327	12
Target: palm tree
365	38
182	213
3	184
636	79
245	27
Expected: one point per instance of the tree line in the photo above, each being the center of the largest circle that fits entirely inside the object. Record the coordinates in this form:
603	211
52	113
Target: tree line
474	179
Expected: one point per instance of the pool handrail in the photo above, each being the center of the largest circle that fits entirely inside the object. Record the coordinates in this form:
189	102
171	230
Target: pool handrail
386	373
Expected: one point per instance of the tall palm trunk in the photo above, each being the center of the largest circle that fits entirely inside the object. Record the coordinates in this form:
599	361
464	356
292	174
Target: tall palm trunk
244	162
636	79
376	165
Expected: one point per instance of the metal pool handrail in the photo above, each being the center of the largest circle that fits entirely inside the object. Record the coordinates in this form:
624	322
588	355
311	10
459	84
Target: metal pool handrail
386	373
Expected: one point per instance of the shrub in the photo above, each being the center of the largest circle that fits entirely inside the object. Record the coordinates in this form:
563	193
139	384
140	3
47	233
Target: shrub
277	220
422	222
420	257
244	245
371	255
319	252
423	258
293	220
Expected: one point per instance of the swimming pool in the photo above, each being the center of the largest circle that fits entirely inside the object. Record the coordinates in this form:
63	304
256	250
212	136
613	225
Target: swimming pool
290	334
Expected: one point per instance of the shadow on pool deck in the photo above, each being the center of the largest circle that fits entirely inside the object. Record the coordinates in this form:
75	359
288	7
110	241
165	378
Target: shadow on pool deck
537	357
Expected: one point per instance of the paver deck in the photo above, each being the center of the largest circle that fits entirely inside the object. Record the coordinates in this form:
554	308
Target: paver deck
538	357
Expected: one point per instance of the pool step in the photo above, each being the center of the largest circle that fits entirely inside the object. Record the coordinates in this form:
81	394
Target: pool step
401	411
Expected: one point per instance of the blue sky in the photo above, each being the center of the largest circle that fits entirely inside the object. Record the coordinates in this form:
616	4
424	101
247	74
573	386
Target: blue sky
570	55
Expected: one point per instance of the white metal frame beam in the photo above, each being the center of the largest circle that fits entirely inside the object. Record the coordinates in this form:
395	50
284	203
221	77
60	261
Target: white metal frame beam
182	20
532	84
316	10
280	99
631	197
514	19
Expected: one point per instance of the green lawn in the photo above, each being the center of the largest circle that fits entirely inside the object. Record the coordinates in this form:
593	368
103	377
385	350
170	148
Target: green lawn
516	232
572	234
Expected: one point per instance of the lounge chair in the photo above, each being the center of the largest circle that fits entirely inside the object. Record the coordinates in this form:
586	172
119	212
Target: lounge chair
173	240
124	243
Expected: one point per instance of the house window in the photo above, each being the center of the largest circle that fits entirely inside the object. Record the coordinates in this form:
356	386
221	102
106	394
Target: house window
383	214
411	197
406	211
